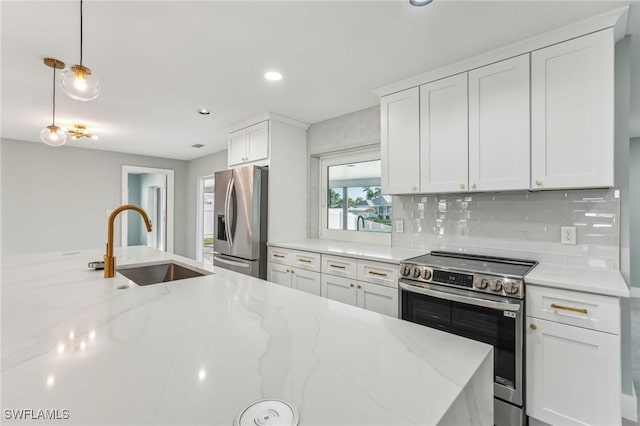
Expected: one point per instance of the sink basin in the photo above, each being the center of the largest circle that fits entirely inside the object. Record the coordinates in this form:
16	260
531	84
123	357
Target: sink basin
159	273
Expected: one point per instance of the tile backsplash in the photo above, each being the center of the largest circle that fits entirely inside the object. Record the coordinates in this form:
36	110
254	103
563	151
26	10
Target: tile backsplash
514	224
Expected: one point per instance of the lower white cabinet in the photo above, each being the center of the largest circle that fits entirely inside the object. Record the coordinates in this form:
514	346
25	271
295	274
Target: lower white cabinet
300	279
573	372
372	297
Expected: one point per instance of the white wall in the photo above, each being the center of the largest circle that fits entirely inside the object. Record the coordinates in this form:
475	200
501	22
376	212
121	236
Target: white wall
55	199
203	166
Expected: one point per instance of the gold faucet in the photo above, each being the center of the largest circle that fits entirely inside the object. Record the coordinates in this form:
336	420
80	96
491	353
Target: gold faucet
109	259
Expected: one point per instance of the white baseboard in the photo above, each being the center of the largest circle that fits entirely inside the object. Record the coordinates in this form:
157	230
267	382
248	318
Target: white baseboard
635	292
630	405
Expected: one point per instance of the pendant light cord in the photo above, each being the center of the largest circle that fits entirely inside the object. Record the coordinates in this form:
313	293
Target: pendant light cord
53	118
80	32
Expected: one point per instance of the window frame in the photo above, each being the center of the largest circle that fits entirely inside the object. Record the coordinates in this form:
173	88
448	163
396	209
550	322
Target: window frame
335	159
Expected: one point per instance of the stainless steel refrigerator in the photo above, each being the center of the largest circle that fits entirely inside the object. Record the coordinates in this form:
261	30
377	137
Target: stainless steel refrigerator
240	221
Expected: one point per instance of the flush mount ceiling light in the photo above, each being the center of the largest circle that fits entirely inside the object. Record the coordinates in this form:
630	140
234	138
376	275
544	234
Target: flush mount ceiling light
273	76
80	131
78	82
53	135
204	111
420	2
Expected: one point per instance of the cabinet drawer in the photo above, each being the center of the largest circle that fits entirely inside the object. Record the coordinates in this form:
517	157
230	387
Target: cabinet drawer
305	260
278	255
378	273
340	266
585	310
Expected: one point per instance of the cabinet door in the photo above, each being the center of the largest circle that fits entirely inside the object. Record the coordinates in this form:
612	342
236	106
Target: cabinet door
572	89
573	374
237	147
444	136
499	126
377	298
303	280
279	274
258	141
400	142
339	288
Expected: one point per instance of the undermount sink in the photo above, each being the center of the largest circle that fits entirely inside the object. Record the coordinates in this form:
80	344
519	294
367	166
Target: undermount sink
159	273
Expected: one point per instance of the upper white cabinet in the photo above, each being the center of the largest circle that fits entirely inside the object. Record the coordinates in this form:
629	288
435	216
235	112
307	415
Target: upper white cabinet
400	142
499	126
542	118
249	145
572	113
443	135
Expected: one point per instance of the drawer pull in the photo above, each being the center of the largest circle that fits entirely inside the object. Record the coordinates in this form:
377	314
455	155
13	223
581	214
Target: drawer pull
302	259
278	255
568	308
337	266
379	274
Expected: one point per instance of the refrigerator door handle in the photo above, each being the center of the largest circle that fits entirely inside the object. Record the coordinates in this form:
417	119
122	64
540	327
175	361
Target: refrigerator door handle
226	214
232	221
231	262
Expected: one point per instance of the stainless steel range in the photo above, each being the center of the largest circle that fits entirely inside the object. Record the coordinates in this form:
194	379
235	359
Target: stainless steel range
478	297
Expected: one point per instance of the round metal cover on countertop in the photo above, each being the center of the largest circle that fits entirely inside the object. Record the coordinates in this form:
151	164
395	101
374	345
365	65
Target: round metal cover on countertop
268	412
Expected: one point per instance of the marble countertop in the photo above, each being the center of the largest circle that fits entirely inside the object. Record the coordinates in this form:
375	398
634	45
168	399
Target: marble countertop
588	280
198	351
375	252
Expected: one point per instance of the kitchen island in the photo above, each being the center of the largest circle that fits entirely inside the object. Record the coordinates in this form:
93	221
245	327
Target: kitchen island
198	351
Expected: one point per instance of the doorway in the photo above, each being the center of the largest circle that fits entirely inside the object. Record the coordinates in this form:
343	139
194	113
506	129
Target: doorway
153	190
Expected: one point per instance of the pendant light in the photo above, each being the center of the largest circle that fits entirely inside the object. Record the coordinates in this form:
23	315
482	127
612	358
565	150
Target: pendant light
53	135
78	82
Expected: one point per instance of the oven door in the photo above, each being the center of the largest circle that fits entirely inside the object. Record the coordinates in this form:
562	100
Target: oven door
494	320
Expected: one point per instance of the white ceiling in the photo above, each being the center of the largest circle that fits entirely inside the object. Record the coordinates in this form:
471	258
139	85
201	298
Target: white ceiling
159	61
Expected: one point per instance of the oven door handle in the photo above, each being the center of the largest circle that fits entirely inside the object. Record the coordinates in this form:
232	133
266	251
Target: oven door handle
493	304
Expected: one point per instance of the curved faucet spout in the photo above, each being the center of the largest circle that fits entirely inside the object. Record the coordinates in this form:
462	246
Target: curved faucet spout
109	259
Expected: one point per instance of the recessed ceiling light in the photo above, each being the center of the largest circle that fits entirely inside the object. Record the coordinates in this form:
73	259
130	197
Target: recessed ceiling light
420	2
204	111
273	76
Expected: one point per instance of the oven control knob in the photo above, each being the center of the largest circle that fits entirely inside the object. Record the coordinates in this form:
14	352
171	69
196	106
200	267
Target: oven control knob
405	270
417	272
511	287
496	285
426	274
482	284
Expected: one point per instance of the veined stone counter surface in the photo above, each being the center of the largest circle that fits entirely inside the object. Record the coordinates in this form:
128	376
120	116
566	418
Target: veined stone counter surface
198	351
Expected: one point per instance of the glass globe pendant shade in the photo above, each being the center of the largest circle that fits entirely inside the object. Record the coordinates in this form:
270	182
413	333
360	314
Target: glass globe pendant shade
79	83
53	135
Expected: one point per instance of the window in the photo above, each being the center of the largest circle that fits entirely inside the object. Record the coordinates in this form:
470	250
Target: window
352	204
205	223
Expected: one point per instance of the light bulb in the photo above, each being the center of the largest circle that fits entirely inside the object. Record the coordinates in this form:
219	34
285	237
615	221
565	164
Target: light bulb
79	83
53	136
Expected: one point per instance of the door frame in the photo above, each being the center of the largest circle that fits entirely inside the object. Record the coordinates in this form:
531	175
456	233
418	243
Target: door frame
169	175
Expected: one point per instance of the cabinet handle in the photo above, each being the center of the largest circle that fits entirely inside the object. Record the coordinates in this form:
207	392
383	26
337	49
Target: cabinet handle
533	326
337	266
538	182
351	285
288	270
474	186
413	188
462	186
359	286
292	271
302	259
379	274
278	255
568	308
